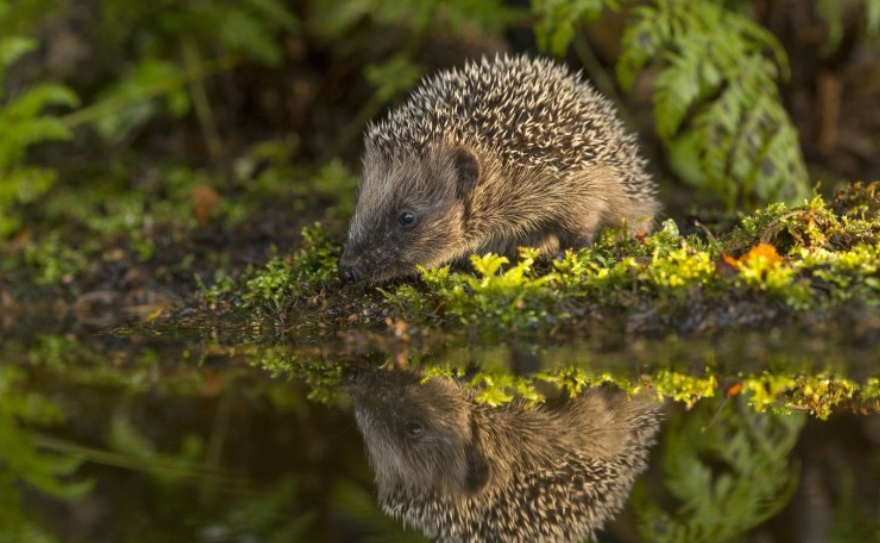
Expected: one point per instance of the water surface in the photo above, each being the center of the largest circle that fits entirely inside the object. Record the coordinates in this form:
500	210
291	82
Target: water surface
217	435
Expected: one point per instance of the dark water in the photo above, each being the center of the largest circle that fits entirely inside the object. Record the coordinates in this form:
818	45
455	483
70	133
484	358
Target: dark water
201	438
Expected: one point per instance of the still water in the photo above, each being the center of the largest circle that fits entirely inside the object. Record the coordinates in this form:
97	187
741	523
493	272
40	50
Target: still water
212	436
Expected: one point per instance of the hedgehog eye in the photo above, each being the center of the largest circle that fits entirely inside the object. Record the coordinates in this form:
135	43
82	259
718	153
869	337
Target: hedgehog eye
414	429
407	218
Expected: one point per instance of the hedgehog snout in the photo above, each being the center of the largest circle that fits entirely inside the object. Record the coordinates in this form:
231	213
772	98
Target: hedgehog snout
347	267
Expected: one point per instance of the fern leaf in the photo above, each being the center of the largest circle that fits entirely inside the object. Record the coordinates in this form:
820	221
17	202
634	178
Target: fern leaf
558	19
13	48
716	99
35	99
676	89
872	17
642	40
275	11
241	30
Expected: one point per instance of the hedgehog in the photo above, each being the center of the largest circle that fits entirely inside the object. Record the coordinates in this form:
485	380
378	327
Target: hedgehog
466	472
504	153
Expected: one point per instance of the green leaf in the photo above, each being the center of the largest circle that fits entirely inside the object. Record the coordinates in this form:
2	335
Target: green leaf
558	20
727	469
13	48
396	75
642	40
716	100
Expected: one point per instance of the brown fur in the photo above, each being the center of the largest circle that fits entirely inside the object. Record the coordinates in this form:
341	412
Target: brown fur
496	181
477	473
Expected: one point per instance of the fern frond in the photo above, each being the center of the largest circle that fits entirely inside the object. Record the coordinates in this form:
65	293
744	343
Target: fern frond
872	17
24	123
35	99
557	20
676	89
716	89
649	29
13	48
726	477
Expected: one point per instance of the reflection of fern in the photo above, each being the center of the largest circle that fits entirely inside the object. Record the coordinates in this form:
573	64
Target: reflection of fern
716	101
727	478
360	509
24	125
854	519
23	464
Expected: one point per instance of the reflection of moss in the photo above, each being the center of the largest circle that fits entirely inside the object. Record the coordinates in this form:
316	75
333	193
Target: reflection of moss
781	391
818	395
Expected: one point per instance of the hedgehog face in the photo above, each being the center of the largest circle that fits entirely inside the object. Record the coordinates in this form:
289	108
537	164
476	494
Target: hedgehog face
418	435
411	211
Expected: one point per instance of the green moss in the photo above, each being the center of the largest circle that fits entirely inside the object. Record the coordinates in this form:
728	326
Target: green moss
53	262
777	265
807	258
515	297
284	279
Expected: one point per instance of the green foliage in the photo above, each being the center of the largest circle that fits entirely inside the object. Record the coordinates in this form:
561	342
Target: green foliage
833	12
60	256
176	47
248	27
807	259
141	95
268	514
782	391
854	520
512	298
684	387
336	182
283	279
52	262
21	462
392	77
18	17
333	19
406	302
125	439
557	21
24	125
729	470
716	99
360	507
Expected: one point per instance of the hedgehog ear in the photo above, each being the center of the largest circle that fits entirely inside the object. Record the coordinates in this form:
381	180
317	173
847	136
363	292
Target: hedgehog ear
468	172
477	470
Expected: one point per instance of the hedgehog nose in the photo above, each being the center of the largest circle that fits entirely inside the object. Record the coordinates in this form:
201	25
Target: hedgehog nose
346	273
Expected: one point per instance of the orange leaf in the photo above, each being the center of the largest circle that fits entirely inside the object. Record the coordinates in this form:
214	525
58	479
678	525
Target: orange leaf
205	199
764	250
734	389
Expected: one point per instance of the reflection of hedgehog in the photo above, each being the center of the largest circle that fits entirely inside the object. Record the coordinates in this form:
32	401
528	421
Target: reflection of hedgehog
466	472
504	153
